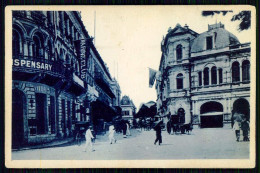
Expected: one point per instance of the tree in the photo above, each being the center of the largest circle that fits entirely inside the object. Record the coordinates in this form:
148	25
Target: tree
243	16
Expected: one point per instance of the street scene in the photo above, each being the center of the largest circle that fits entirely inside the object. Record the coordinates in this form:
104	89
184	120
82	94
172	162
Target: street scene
200	144
114	84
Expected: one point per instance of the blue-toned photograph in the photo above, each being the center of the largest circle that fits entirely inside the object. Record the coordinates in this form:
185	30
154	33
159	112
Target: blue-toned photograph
131	83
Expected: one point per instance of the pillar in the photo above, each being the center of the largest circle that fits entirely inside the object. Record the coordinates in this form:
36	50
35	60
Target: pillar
25	48
30	45
240	72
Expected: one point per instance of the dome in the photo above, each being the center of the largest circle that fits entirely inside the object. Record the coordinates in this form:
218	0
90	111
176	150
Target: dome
221	38
125	100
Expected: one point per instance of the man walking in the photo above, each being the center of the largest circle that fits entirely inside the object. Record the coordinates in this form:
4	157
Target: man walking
89	138
158	130
245	129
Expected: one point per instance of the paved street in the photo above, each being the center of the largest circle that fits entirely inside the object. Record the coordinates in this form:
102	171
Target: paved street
215	143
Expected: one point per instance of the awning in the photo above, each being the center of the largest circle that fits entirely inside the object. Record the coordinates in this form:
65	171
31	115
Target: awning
212	114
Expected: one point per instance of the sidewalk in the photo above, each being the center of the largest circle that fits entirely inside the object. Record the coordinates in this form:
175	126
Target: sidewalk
55	143
70	141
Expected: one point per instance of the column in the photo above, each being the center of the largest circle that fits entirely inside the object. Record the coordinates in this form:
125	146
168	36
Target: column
217	69
30	44
240	71
25	48
210	83
202	78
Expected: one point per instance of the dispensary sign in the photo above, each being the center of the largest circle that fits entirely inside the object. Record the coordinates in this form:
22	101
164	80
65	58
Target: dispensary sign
32	64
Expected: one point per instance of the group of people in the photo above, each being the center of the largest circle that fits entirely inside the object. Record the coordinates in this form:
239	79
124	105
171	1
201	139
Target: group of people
111	136
244	126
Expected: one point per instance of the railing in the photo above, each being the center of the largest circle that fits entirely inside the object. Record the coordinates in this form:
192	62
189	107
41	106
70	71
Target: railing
32	64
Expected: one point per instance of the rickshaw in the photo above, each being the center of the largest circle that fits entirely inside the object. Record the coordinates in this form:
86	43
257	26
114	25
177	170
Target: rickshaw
80	129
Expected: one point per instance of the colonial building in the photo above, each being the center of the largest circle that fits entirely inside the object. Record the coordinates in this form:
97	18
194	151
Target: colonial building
58	77
204	78
128	108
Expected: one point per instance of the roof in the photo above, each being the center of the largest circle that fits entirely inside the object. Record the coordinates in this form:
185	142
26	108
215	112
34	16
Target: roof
126	101
222	38
149	104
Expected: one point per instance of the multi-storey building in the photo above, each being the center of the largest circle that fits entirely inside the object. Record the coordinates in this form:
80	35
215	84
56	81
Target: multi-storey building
58	77
128	108
204	78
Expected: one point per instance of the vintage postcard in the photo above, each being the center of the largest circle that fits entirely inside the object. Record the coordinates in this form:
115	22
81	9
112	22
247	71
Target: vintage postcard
130	86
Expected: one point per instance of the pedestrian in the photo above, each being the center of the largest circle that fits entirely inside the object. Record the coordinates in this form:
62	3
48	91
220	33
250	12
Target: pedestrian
245	129
89	138
128	129
236	127
111	133
124	127
158	130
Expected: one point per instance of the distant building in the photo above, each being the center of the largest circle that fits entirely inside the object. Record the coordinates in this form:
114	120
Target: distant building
59	78
128	108
204	78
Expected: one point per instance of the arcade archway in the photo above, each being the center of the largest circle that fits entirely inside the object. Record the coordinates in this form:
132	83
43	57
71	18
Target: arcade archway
211	115
241	107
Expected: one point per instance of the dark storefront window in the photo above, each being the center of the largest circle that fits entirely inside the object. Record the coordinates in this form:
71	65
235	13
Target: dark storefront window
206	76
41	113
214	75
235	72
246	70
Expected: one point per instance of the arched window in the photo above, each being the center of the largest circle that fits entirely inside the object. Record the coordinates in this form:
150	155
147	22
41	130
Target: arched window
179	52
16	42
37	45
206	76
246	70
179	81
214	75
235	72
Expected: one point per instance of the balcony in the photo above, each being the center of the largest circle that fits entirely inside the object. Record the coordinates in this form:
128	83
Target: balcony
101	82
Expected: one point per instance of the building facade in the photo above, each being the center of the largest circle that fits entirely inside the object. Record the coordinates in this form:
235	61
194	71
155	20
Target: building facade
58	77
204	78
128	108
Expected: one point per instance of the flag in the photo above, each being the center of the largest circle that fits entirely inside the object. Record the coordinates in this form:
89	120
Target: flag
152	74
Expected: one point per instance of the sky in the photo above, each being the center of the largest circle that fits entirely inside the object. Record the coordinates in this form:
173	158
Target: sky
128	38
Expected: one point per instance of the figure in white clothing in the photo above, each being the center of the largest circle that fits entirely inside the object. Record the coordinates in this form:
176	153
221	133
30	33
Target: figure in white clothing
128	129
236	127
89	138
111	134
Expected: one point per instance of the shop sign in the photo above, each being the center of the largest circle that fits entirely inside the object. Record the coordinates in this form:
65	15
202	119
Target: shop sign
32	64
